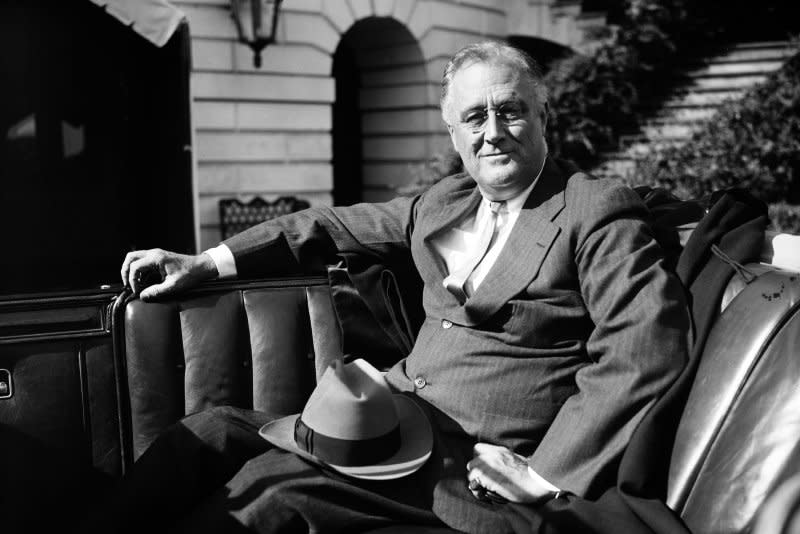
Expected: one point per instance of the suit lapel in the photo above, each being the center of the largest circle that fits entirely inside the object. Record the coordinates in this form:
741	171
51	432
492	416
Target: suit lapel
451	208
523	254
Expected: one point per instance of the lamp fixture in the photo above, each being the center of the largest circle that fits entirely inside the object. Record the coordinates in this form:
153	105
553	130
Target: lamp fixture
256	22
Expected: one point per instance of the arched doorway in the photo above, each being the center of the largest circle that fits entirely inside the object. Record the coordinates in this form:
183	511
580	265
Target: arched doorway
347	178
383	118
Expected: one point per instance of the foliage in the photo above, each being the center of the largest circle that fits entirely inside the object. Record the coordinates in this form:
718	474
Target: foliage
594	99
597	98
753	142
784	218
426	174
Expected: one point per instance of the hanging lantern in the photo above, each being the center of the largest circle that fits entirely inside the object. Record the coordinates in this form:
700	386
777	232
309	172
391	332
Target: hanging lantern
256	22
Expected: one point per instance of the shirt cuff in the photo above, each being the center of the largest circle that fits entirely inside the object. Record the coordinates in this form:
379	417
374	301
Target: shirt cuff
538	478
223	259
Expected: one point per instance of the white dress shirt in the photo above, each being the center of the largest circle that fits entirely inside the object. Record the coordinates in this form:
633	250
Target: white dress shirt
455	244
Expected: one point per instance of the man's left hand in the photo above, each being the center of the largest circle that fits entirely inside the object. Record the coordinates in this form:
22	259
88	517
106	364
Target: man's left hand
499	472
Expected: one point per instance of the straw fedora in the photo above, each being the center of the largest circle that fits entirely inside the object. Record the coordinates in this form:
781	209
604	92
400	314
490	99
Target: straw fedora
353	424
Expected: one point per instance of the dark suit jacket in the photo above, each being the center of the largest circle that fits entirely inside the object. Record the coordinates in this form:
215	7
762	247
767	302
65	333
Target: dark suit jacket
574	333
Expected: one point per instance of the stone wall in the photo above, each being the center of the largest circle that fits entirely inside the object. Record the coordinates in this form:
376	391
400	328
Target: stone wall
268	132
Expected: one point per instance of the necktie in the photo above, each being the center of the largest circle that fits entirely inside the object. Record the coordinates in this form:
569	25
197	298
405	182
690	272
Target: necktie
454	282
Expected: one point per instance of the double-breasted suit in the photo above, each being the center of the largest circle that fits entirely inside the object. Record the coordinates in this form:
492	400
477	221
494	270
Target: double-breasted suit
570	338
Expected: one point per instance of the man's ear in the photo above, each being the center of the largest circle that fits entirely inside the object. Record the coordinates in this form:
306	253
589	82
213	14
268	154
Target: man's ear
544	112
451	131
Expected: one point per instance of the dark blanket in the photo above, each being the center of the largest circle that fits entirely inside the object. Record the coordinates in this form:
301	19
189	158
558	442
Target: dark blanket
735	223
377	320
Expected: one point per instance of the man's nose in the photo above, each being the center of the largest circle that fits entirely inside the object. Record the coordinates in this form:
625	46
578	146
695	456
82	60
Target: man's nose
494	131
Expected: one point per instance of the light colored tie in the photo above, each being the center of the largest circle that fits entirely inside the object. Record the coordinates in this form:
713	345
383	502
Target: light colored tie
454	282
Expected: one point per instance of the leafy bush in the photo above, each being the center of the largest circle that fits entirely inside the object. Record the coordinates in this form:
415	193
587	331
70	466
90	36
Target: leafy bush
426	174
594	99
784	218
597	98
753	143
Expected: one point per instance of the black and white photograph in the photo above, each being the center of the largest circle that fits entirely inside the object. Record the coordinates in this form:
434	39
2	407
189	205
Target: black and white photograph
400	266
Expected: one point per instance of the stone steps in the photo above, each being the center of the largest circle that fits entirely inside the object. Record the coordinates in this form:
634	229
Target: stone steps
699	89
765	50
704	98
670	130
678	113
724	83
736	68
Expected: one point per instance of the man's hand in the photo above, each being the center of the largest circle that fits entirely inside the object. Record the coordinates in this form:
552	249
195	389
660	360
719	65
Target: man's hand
158	273
499	471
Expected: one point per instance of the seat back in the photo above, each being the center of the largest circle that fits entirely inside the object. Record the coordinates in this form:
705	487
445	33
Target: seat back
258	345
739	433
262	345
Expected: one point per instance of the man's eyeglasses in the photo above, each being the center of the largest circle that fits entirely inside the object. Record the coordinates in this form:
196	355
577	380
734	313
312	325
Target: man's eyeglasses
476	120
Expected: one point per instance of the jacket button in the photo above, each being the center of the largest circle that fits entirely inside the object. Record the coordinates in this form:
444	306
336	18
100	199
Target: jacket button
420	382
446	324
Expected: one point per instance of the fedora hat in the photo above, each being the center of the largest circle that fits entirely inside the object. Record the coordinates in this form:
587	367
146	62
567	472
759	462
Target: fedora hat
355	425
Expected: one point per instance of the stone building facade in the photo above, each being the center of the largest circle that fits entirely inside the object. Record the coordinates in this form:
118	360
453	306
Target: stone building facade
345	103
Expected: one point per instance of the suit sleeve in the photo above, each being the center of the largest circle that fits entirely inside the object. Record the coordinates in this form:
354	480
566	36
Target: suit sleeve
636	350
306	241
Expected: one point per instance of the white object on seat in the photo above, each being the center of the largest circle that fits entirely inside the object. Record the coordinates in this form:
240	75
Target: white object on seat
782	250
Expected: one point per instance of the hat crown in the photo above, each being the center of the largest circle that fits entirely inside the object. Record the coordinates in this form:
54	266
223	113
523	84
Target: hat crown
352	402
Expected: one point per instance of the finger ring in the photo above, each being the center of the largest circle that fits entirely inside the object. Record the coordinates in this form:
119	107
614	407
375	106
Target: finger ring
475	484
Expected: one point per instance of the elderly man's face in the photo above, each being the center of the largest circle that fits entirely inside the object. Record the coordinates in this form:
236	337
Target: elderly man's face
497	126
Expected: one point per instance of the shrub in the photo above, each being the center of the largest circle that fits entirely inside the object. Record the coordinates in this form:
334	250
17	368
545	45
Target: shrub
784	218
595	99
753	143
426	174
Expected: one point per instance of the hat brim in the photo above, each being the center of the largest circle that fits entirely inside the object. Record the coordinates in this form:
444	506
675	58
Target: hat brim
416	443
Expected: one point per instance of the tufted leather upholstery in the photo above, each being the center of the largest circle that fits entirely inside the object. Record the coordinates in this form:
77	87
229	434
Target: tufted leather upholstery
261	344
257	345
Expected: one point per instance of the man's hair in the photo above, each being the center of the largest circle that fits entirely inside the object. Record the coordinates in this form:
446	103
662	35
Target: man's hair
497	53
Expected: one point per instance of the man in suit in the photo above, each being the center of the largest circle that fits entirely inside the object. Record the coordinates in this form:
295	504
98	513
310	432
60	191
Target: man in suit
551	327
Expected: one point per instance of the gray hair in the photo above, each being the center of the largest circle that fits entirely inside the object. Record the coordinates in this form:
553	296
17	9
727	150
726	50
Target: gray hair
498	53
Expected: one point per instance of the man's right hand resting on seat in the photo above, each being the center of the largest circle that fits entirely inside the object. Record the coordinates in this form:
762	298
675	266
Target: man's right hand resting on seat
157	273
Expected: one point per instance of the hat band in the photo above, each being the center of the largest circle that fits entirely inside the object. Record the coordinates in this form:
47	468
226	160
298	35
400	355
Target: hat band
346	452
